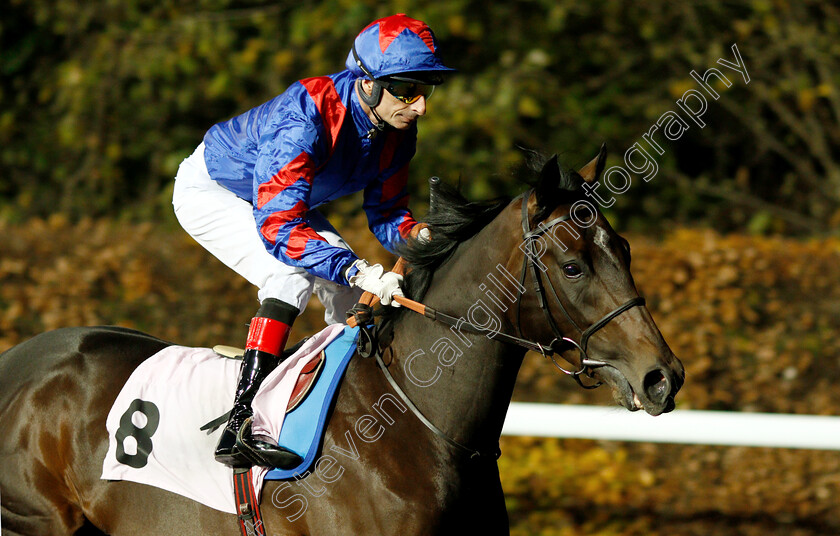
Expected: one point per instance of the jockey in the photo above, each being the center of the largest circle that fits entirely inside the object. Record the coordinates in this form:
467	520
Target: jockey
249	193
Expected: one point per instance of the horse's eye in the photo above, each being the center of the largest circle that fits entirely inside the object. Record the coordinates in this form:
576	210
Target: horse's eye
572	270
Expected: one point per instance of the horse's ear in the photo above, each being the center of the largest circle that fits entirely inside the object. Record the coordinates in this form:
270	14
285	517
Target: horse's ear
548	187
434	194
592	171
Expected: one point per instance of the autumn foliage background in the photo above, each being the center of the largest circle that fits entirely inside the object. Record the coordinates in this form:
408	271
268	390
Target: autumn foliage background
735	242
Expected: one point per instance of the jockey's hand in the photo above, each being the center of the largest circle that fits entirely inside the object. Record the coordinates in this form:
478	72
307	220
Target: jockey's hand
376	280
421	233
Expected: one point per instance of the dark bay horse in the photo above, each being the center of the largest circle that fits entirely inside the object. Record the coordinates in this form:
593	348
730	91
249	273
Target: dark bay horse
523	272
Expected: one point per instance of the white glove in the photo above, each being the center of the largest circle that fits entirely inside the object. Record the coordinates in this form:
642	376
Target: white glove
376	280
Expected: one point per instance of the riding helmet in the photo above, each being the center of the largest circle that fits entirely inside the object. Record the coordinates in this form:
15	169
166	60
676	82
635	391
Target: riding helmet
397	45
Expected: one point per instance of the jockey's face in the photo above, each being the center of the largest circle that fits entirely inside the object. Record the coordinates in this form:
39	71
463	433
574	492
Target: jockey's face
394	112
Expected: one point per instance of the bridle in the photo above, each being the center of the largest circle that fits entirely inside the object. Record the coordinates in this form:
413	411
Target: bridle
559	344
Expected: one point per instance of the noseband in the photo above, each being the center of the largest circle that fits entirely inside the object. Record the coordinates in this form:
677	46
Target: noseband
560	342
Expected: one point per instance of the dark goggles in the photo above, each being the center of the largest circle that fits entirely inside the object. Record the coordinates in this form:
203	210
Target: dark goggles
406	91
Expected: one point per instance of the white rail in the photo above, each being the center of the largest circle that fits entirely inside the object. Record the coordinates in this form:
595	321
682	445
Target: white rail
680	426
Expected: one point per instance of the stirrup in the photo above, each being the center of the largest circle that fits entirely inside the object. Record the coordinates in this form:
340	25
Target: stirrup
231	455
264	453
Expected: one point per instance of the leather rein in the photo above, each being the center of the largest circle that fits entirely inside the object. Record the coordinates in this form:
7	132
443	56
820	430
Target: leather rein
559	344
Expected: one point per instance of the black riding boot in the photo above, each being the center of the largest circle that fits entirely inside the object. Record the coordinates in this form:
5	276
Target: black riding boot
267	338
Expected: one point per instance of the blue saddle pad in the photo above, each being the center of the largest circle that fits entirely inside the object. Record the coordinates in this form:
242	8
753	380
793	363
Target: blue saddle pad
304	426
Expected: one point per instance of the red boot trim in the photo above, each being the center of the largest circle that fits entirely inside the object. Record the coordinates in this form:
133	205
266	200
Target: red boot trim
267	335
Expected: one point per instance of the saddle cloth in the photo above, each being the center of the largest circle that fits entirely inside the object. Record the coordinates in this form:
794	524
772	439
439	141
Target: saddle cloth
153	426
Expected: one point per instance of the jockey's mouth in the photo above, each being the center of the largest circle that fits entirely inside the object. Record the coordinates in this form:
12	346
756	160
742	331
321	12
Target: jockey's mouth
407	118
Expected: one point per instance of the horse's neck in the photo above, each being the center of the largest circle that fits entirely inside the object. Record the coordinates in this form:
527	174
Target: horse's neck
460	380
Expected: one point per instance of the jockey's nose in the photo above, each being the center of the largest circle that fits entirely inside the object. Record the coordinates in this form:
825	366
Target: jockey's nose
419	106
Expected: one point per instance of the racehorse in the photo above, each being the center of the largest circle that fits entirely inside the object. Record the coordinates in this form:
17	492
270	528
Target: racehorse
409	451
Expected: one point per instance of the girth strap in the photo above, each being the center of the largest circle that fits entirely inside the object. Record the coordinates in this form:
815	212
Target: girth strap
247	506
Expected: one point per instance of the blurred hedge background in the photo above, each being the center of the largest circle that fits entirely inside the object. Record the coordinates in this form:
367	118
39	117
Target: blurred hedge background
735	239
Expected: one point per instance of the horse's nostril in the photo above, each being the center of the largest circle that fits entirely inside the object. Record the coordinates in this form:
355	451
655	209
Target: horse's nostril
657	387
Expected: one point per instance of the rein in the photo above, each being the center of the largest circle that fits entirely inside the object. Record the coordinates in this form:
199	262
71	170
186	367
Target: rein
560	342
437	431
463	325
361	315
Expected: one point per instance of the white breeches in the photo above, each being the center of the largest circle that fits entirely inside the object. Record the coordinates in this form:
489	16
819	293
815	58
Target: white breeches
224	225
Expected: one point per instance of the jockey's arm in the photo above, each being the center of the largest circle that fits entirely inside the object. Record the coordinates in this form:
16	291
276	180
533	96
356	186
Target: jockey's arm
286	169
283	174
386	206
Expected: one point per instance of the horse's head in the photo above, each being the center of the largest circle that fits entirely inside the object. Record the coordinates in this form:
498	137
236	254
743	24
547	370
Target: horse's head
579	287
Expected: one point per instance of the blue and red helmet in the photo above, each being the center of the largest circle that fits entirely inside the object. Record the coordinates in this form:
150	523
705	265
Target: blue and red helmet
397	45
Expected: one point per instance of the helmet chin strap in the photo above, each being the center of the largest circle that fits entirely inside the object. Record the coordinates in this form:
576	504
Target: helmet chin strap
372	102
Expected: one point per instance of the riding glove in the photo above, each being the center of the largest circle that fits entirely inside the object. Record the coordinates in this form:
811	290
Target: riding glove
376	280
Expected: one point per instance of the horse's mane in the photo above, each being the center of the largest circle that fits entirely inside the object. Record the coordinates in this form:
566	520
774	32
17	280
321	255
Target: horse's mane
454	219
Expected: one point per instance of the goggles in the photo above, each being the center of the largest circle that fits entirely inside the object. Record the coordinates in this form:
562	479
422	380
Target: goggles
406	91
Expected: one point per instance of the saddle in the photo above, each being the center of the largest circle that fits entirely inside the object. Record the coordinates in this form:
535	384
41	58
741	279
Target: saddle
308	376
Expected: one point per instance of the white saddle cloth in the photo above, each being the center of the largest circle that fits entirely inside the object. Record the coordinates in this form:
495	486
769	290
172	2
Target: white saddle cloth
172	394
